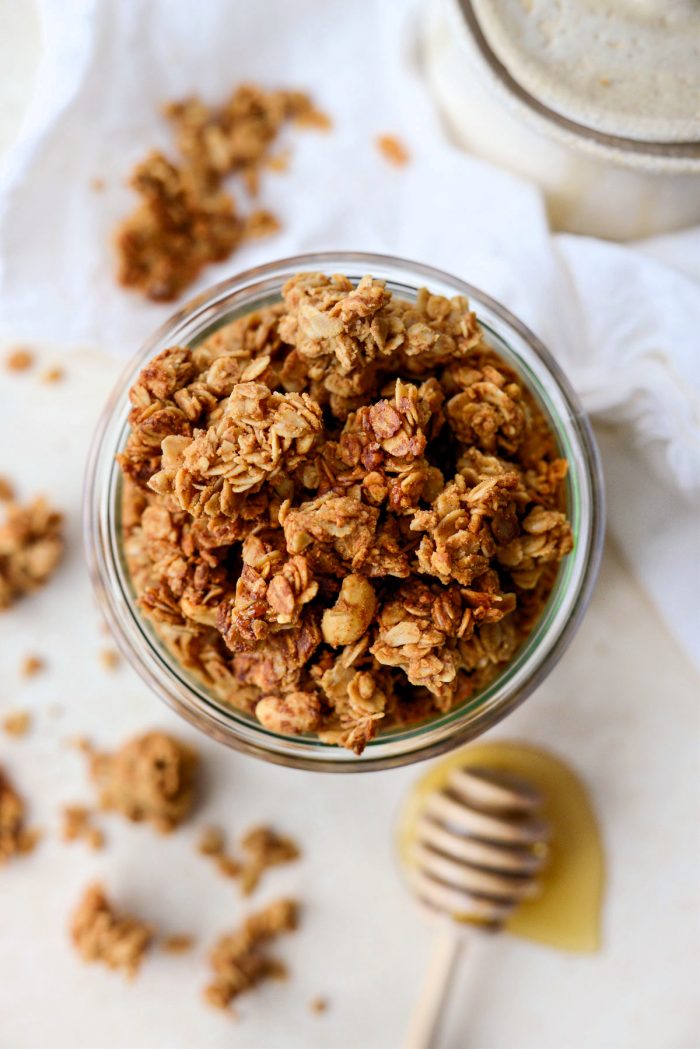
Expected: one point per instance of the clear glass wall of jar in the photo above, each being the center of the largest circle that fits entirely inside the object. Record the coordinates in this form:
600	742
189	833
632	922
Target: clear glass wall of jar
182	691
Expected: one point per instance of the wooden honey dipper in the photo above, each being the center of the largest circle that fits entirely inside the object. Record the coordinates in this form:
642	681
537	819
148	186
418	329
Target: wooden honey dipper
476	852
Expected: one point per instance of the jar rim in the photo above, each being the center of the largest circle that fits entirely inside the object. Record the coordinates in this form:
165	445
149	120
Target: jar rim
538	653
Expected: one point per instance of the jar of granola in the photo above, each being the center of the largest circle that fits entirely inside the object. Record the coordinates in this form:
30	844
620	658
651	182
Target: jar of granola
339	522
596	101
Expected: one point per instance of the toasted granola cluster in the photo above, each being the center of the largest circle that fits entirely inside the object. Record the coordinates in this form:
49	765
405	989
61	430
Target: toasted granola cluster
185	218
238	959
31	546
150	778
343	511
101	934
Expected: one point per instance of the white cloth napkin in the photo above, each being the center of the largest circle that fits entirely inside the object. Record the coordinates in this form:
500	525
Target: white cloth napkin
623	320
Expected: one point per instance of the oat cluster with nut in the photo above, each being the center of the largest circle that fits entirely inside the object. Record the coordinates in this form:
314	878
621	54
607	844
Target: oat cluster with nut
344	512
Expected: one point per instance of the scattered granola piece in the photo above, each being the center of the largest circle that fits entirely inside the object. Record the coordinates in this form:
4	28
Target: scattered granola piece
228	866
19	360
344	512
150	778
78	826
110	658
15	838
393	150
97	184
185	219
261	223
264	848
31	546
7	492
31	666
238	959
318	1005
17	724
52	375
177	943
101	934
211	842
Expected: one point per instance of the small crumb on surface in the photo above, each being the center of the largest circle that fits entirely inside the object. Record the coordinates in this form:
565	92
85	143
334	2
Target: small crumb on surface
318	1005
279	162
52	375
7	492
262	847
17	723
31	666
177	943
211	841
97	184
20	359
100	934
78	826
261	224
110	658
393	150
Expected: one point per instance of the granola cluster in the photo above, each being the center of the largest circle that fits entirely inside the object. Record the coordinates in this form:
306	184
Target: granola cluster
344	511
150	778
31	546
185	218
239	960
101	934
15	838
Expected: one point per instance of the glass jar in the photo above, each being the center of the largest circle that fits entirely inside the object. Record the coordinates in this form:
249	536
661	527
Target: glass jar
599	181
139	641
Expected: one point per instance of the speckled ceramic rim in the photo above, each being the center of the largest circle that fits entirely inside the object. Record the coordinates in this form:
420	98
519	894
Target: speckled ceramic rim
669	155
544	647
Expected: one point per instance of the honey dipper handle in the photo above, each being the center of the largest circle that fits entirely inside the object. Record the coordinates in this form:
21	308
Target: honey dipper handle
429	1007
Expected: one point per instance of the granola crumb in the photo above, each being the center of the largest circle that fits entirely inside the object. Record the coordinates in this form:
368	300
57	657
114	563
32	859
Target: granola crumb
17	723
177	943
7	492
393	150
150	778
261	223
15	838
78	826
186	219
52	375
81	743
110	658
97	184
31	666
20	359
100	934
318	1005
238	959
264	848
31	546
211	842
279	162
